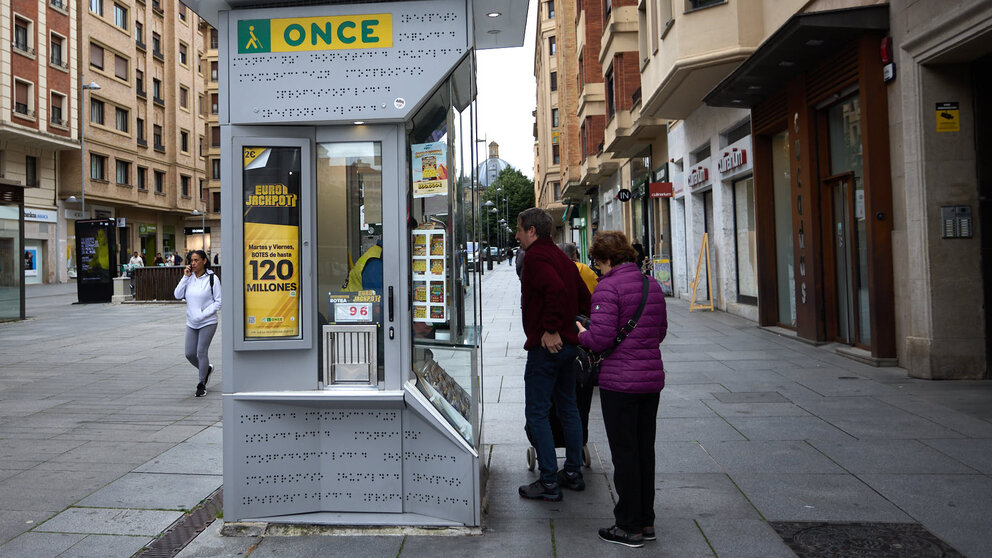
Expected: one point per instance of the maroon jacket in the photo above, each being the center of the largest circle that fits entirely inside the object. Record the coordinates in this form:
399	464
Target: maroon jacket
635	366
551	294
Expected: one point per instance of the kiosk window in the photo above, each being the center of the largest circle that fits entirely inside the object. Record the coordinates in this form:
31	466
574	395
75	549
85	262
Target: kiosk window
271	211
349	235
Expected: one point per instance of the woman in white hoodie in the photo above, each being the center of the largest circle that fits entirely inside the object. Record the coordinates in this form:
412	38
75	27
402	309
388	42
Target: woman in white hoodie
201	289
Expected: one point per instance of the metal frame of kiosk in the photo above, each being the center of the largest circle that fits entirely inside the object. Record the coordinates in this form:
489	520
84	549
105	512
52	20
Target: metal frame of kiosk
352	323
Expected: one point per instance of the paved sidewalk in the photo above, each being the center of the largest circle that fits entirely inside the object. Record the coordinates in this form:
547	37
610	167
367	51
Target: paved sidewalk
753	428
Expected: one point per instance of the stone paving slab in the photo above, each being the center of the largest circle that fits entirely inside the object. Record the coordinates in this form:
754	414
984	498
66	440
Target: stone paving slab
154	491
743	538
109	521
816	497
104	546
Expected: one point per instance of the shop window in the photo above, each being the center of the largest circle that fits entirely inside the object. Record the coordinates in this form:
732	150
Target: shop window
121	119
746	240
98	167
96	111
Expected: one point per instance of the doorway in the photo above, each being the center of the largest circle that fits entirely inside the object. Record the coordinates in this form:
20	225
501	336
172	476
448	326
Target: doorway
840	264
982	94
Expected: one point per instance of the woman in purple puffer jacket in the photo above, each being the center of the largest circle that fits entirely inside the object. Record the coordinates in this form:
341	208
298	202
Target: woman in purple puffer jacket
630	381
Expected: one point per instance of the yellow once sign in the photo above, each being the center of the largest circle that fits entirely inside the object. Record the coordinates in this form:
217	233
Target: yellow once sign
331	33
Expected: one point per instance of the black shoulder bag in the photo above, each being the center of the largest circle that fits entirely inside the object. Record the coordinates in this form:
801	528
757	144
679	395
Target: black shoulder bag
587	362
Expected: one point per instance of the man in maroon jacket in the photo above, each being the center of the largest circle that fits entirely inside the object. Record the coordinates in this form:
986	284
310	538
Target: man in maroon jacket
552	293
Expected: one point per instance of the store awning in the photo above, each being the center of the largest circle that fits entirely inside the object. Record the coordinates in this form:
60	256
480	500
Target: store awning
803	41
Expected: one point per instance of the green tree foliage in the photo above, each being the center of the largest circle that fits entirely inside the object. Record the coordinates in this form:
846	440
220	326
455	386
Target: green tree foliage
518	190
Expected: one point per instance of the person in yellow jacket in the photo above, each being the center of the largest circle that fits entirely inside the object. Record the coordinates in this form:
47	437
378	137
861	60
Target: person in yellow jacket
366	274
585	272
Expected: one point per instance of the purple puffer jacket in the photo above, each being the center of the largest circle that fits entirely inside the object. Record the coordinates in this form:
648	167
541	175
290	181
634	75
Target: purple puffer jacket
635	366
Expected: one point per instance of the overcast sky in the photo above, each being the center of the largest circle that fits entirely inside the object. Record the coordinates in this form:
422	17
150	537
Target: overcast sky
507	97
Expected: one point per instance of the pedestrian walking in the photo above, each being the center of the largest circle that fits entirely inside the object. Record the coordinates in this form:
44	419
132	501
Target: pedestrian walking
201	289
552	294
136	260
630	380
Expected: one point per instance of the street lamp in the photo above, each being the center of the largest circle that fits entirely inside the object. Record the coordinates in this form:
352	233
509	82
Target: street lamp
488	206
92	86
203	227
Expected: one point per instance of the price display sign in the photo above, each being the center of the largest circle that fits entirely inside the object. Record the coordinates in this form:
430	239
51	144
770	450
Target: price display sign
353	312
271	208
362	307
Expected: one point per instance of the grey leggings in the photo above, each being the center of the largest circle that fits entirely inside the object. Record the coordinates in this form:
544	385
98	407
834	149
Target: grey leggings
197	345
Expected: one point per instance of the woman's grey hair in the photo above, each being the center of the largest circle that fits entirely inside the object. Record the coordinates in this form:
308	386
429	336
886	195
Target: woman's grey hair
569	249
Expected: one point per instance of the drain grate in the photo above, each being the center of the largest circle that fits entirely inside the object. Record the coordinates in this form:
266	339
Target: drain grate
862	540
186	528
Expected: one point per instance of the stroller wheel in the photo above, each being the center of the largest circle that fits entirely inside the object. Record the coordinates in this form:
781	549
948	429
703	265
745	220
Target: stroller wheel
586	458
531	458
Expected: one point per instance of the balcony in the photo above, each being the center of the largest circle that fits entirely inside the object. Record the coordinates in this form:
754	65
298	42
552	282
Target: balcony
701	48
644	127
159	147
617	138
142	142
141	45
574	190
159	101
592	101
619	34
140	92
158	55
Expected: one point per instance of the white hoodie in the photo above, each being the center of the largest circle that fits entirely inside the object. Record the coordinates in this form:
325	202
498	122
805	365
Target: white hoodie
202	305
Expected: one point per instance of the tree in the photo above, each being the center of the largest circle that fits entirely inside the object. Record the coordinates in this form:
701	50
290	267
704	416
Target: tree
518	190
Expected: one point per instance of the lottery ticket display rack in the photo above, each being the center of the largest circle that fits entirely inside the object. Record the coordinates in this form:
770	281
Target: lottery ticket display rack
430	288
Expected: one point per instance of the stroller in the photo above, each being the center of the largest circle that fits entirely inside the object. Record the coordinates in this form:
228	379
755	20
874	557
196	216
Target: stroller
583	397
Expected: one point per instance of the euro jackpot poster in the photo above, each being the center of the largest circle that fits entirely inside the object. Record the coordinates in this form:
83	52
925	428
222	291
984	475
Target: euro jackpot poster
430	173
272	242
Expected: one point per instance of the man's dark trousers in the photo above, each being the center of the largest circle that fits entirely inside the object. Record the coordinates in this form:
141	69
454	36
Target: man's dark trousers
550	376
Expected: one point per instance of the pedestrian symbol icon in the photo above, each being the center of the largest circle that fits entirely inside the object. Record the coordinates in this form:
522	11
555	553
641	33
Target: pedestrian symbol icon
254	36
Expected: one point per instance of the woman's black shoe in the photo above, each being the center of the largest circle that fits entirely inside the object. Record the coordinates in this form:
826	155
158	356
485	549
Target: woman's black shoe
200	390
210	370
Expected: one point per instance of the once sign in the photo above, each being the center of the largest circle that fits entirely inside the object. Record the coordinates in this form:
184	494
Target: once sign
257	36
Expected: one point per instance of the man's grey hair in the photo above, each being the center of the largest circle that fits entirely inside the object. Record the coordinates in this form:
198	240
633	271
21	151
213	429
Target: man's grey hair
569	249
537	218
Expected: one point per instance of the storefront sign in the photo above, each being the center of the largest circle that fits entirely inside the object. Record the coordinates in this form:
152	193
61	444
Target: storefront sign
697	176
40	215
948	117
732	160
430	175
624	195
257	36
147	230
195	230
660	189
271	242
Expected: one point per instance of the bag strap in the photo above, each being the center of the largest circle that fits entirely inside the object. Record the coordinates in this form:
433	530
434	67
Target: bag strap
631	323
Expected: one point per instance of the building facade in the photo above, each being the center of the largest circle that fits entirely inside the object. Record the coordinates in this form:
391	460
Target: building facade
37	97
144	119
830	152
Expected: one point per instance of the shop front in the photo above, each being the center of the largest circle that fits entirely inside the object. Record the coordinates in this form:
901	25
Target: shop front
352	345
11	252
821	184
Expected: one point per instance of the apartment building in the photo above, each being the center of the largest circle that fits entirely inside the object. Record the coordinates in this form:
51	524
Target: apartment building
210	146
547	148
37	97
832	153
143	76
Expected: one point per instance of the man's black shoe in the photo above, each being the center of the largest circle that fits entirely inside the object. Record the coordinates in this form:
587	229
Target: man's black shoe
571	481
649	534
210	370
200	390
617	535
538	490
